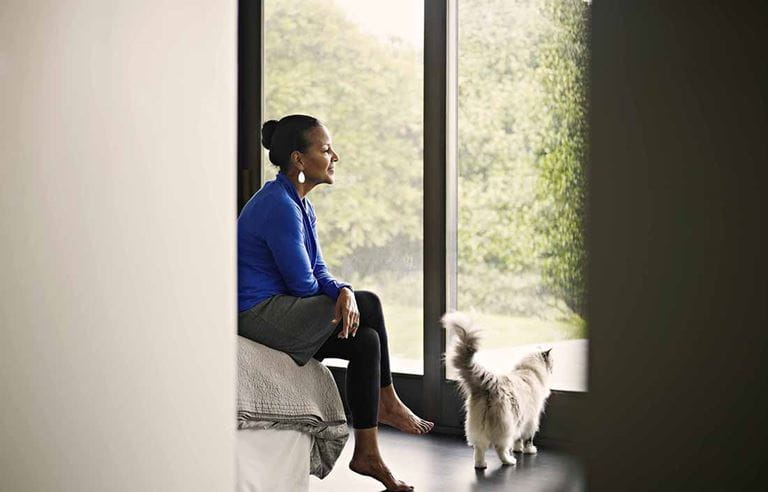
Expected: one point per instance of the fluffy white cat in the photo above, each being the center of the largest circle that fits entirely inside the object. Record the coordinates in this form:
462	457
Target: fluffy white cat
503	410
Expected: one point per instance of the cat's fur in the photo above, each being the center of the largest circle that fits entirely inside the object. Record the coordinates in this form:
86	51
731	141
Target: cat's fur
503	410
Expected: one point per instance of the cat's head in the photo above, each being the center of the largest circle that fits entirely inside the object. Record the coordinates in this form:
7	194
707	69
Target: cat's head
546	357
540	359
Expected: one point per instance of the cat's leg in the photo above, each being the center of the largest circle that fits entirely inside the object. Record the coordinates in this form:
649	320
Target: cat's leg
528	447
528	431
504	455
518	446
480	456
476	436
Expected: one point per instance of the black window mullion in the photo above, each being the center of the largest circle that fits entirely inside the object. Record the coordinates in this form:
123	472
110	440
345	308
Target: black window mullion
435	43
250	49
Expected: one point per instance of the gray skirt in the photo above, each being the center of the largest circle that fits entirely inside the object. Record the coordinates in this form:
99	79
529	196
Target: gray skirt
298	326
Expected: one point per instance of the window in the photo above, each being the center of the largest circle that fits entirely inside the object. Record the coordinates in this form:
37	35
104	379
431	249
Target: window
461	131
519	251
358	67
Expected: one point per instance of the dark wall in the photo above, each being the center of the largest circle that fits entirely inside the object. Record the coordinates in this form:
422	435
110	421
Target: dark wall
677	278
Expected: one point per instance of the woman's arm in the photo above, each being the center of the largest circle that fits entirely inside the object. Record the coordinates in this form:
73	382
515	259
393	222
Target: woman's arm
285	238
328	285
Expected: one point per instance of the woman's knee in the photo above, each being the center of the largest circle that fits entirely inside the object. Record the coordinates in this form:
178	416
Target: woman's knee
367	343
367	300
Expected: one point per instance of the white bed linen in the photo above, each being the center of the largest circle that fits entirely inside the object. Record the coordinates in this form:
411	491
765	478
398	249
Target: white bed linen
272	460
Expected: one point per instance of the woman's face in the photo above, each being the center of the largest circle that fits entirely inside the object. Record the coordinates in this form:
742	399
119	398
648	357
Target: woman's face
319	159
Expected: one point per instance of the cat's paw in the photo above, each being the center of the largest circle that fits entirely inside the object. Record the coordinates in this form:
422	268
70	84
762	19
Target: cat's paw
518	447
480	457
530	449
509	460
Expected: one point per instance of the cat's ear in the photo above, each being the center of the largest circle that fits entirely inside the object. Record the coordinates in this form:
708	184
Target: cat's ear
545	354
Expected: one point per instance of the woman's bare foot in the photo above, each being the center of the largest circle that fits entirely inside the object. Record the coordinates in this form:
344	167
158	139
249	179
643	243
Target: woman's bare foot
402	418
374	467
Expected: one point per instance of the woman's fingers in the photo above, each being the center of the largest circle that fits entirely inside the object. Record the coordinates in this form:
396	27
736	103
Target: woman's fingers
354	315
350	315
348	321
344	331
338	316
336	313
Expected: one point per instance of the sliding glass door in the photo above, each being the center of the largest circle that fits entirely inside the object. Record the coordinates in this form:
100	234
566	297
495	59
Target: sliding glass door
521	185
461	131
357	66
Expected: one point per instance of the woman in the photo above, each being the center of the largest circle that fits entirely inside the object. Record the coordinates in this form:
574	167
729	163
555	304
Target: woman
289	301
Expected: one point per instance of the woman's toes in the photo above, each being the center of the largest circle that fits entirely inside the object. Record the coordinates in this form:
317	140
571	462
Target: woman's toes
405	420
375	468
403	487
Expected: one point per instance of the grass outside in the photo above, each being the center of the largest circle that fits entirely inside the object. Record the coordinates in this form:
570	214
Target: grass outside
404	326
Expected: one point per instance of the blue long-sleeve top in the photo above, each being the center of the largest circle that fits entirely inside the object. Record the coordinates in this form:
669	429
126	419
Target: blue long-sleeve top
277	247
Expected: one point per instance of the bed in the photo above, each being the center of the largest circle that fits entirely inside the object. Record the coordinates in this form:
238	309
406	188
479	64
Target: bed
272	459
290	420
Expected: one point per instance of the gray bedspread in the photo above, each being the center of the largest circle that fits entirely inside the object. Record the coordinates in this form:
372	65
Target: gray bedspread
275	393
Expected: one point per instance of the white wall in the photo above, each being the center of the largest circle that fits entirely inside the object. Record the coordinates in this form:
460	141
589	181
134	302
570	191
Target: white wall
117	245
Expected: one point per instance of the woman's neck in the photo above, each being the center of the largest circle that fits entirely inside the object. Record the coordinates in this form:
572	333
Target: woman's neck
301	188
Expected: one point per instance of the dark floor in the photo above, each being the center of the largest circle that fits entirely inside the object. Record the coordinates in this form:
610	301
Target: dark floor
445	464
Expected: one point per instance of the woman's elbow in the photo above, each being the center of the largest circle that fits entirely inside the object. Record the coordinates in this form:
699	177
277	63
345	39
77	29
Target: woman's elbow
305	290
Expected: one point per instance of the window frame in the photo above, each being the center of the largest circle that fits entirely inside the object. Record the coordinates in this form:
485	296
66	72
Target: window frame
431	395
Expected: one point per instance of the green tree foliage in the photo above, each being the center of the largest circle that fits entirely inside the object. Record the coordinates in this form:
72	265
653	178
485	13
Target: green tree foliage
522	145
563	156
368	93
522	154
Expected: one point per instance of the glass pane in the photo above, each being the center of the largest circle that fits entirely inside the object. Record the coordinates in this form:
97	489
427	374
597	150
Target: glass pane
522	74
357	66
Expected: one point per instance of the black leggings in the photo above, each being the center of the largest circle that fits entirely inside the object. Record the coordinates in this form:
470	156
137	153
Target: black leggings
368	356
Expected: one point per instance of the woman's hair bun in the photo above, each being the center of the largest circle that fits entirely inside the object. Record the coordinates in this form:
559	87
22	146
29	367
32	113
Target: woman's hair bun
283	137
266	133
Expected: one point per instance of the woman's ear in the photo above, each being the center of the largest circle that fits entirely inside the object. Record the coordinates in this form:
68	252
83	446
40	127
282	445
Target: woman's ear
296	160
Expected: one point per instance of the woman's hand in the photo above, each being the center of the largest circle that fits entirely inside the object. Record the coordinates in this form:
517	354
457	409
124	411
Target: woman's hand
346	310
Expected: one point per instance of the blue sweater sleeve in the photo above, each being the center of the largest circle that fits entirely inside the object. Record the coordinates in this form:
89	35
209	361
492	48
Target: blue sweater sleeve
328	285
285	239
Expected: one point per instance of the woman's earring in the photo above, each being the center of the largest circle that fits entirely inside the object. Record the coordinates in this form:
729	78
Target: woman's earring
302	178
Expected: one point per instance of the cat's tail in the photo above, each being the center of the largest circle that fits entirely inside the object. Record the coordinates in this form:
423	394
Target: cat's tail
474	377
